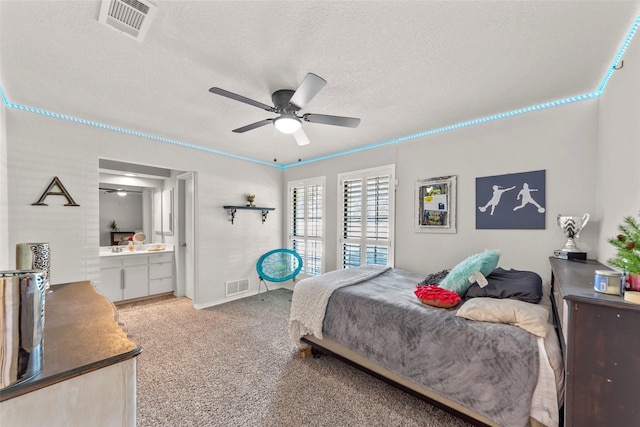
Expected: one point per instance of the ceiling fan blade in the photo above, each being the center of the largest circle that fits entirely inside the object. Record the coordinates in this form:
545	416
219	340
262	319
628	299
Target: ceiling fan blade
350	122
309	87
241	98
301	137
253	126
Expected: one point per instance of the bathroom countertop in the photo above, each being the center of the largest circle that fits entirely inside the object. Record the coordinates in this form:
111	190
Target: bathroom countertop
81	334
145	250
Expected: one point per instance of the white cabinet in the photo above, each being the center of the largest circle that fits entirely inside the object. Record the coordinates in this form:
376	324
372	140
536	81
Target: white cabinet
111	280
160	273
135	277
129	276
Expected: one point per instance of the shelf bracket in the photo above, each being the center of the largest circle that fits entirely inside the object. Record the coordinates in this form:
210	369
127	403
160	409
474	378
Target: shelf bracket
233	209
232	212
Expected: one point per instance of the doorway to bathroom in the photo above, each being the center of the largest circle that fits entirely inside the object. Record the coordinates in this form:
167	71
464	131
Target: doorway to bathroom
160	204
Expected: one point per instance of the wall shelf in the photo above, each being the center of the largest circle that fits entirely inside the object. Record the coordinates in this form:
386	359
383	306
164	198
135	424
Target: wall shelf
233	209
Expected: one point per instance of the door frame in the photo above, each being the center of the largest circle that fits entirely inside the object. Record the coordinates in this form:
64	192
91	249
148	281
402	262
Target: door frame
181	262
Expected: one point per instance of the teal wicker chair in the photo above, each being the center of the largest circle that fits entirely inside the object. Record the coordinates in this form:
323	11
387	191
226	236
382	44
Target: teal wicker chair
278	265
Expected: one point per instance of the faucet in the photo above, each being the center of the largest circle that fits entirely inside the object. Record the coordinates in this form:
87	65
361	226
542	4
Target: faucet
116	249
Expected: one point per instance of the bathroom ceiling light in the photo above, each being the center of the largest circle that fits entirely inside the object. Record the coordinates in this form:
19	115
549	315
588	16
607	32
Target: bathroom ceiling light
287	123
121	193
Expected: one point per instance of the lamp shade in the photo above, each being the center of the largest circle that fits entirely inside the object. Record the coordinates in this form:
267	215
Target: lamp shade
287	124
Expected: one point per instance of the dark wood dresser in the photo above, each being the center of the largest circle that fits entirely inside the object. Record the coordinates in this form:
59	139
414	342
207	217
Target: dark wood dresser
600	340
88	375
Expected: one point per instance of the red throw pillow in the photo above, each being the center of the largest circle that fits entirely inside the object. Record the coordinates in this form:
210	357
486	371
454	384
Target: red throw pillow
436	296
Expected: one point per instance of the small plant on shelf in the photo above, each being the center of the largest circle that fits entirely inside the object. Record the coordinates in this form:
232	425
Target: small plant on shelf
627	244
113	225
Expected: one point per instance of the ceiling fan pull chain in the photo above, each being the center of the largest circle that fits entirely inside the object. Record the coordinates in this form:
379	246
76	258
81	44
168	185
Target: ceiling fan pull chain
275	150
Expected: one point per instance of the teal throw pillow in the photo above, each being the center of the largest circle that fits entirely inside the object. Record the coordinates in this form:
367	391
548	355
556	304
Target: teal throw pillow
458	278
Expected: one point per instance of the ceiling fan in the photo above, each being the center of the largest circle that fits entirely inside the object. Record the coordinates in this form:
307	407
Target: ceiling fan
287	103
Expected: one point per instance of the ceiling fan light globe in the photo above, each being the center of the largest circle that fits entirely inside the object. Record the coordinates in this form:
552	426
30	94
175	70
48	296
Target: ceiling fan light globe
287	125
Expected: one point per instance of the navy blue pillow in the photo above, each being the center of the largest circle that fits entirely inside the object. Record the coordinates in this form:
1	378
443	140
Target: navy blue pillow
434	278
521	285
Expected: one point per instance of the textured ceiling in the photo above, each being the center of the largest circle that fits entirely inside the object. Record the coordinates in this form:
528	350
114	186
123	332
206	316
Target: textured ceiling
402	67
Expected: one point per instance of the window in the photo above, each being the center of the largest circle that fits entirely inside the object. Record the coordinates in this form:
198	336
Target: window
306	222
366	217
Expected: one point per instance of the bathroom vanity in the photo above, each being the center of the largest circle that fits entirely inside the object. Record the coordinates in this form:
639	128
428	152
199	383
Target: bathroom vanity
126	275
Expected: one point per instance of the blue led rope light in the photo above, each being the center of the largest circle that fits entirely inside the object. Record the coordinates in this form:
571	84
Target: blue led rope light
556	103
4	97
512	113
132	132
467	123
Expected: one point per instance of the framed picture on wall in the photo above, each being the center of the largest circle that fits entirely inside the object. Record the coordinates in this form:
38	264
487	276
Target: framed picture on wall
435	210
512	201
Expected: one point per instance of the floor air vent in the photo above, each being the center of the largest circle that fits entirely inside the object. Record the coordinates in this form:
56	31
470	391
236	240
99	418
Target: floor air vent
131	17
235	287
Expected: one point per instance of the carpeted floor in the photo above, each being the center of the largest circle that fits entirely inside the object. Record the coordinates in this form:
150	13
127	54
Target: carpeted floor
231	365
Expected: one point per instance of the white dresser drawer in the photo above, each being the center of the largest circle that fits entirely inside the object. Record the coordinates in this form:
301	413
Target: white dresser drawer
162	257
157	271
158	286
110	262
134	260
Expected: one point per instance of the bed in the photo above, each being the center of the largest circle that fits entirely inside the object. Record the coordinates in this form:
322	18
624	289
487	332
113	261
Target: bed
488	372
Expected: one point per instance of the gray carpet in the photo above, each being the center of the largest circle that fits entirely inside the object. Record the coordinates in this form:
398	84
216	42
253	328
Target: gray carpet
231	365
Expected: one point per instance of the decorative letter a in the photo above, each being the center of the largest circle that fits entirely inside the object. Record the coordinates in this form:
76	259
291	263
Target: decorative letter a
63	192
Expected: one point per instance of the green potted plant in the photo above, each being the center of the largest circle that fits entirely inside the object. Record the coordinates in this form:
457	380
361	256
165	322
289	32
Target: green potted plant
113	225
627	244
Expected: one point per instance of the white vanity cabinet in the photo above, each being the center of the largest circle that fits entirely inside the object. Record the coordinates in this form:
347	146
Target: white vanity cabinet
130	276
111	274
135	276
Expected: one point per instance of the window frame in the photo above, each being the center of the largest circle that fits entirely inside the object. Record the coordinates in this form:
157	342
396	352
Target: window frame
306	183
363	174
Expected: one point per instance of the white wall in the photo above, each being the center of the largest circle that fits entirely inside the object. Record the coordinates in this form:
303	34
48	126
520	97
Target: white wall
547	139
618	175
4	195
4	203
41	147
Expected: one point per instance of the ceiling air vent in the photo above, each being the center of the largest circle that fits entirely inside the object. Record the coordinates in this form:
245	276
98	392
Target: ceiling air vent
131	17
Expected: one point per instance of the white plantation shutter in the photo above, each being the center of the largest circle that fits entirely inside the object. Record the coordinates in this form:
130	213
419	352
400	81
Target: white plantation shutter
378	193
366	217
306	223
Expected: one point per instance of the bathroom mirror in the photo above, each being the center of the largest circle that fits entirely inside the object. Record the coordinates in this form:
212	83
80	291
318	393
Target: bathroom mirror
126	197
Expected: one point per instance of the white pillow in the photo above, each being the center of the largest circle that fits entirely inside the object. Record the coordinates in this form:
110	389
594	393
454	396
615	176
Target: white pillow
532	318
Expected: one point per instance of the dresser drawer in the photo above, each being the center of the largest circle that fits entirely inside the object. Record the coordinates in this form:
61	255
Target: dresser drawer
134	260
157	271
160	258
110	262
158	286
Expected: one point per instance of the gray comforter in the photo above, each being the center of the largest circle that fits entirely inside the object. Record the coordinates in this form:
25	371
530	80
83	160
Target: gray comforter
489	368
